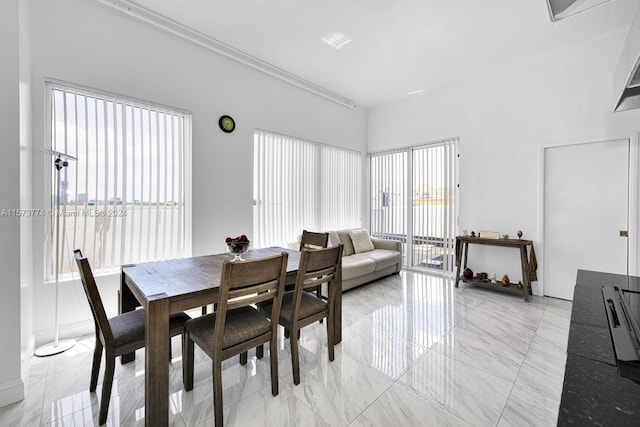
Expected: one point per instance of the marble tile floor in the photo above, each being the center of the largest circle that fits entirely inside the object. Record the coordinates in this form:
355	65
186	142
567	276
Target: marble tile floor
415	351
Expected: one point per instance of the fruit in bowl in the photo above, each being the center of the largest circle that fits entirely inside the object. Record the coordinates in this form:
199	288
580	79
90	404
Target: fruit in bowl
238	246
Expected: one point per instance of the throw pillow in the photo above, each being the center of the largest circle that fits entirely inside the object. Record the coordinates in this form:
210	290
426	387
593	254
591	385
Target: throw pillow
345	239
361	241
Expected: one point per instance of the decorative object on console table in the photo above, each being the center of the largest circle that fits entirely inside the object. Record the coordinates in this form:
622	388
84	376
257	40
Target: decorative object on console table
489	235
519	233
528	262
505	280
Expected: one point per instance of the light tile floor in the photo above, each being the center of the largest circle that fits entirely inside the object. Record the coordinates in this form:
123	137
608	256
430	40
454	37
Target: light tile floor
415	351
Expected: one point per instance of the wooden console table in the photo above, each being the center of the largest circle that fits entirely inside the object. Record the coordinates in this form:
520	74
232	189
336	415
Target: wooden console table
527	261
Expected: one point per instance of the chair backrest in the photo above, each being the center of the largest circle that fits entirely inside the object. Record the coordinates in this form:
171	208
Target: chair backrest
93	297
249	282
318	267
313	240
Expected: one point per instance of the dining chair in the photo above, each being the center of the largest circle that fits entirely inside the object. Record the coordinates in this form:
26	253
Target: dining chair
117	335
301	308
237	326
313	240
309	240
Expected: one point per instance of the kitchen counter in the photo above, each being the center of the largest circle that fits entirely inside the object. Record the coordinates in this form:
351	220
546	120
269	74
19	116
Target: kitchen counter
593	393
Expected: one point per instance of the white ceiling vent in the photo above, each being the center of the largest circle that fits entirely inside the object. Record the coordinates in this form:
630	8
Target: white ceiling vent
627	75
559	9
630	99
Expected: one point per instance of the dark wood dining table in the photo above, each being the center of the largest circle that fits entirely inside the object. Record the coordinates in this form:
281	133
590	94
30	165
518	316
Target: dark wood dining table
166	287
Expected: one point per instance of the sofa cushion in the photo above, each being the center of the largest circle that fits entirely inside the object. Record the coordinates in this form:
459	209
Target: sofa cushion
384	258
345	239
357	265
361	241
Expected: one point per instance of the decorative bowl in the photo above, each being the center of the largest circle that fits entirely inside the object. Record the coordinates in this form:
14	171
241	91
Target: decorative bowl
238	246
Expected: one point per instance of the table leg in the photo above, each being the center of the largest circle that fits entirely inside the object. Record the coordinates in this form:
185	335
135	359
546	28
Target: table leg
156	381
459	246
524	261
127	302
337	325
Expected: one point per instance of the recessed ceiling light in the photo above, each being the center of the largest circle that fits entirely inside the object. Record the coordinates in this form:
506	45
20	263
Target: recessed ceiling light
416	92
336	40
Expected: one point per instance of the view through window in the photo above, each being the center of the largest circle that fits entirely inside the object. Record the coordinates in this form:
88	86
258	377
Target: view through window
413	201
125	198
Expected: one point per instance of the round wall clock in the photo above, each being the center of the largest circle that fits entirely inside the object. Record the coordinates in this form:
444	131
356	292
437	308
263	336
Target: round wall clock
227	124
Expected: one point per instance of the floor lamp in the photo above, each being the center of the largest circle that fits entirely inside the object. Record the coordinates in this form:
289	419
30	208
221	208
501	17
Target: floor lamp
57	346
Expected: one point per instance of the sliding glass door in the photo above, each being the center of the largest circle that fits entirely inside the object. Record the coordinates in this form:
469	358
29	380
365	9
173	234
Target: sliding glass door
413	201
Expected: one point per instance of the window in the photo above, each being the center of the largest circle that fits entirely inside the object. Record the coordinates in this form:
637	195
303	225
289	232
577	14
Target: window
302	185
125	199
413	194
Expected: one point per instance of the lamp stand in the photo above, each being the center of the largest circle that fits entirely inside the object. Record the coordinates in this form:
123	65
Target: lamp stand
57	346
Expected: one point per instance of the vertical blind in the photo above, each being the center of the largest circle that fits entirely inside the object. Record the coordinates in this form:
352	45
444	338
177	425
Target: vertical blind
413	200
302	185
124	199
389	195
433	222
340	188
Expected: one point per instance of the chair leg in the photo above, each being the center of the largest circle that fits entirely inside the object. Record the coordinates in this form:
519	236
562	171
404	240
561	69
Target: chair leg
95	369
204	310
187	361
217	392
286	333
319	295
330	339
273	356
295	361
109	369
260	351
243	358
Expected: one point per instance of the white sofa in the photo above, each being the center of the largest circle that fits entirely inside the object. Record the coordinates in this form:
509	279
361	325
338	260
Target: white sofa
360	267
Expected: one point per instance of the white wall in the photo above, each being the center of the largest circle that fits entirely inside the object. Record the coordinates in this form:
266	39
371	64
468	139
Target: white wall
27	261
504	115
11	385
90	44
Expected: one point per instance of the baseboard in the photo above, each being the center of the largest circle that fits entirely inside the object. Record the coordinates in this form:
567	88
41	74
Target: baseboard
11	392
26	357
536	289
68	331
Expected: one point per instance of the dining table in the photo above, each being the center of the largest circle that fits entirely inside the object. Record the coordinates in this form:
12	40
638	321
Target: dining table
171	286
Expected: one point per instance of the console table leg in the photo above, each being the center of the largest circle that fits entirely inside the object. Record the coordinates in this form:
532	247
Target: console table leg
524	261
458	261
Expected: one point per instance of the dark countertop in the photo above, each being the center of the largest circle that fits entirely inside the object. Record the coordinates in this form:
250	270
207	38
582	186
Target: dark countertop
593	393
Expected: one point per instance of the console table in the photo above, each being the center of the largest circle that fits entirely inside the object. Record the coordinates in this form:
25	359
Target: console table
527	261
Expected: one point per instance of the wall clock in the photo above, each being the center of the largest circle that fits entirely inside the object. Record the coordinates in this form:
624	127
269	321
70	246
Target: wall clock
227	124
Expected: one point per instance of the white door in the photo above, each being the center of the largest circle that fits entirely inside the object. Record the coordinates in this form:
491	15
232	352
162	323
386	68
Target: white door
586	206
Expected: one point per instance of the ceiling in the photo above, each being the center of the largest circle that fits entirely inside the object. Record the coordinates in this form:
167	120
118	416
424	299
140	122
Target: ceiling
376	52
